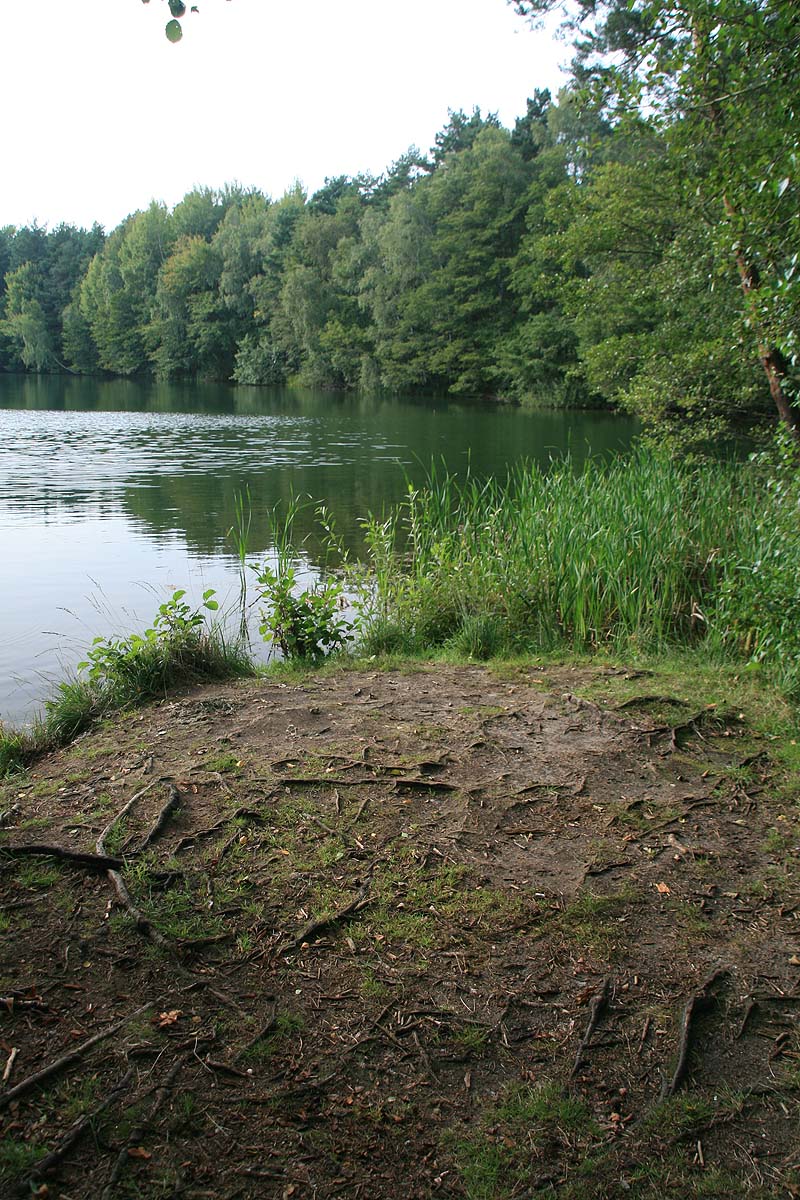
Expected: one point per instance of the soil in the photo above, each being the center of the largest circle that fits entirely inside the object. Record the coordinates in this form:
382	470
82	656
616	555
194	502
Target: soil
445	932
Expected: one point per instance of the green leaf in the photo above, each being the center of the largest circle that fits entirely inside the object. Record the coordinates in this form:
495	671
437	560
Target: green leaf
174	31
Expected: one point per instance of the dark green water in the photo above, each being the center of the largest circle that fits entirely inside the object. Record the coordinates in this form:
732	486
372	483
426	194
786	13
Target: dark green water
114	493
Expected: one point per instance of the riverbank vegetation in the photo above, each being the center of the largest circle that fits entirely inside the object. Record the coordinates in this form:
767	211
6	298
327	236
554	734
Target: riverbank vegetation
180	649
632	242
641	556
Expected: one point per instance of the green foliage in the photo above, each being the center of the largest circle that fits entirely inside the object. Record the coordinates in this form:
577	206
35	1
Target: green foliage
306	623
759	603
139	660
18	1158
633	243
500	1157
119	672
617	554
14	750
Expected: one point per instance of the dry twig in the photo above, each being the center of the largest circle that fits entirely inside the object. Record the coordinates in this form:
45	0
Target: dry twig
67	1059
596	1010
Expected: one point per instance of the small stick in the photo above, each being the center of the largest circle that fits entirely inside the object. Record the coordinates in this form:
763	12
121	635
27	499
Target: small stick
66	1059
214	1064
326	828
191	838
162	818
645	1030
322	923
138	1133
98	862
426	1062
123	812
10	1064
697	1001
117	882
747	1014
187	945
360	809
262	1033
424	785
306	780
598	1006
79	1128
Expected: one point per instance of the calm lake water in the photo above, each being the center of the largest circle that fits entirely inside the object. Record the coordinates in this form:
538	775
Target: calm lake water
113	494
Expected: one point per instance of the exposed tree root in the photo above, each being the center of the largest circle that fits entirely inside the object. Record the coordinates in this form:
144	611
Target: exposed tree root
702	999
139	1132
597	1008
142	923
161	820
76	1132
66	1060
320	925
123	812
79	858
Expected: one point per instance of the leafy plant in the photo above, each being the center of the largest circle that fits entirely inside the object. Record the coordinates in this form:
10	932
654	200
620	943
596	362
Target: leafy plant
176	626
306	623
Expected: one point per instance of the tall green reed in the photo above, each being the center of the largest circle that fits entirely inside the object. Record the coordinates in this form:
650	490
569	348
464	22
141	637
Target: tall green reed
635	552
239	537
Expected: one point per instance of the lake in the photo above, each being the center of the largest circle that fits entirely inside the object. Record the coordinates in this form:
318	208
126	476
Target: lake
115	493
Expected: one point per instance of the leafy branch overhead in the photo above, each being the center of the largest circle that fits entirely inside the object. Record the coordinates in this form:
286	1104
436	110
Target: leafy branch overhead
177	8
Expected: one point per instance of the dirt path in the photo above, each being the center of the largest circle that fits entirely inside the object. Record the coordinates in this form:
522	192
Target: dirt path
426	934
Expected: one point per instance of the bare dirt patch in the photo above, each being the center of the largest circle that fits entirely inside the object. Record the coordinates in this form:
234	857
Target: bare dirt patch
429	933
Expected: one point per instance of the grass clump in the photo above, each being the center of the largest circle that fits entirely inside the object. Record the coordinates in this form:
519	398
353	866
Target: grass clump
618	555
178	649
16	749
531	1126
17	1158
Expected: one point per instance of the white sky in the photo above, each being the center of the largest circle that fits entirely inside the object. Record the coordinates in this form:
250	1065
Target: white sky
101	114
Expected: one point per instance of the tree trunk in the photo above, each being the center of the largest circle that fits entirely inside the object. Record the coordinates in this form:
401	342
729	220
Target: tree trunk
771	358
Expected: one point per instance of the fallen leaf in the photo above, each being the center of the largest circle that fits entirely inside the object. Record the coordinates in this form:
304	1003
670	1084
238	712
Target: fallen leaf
663	889
138	1152
168	1018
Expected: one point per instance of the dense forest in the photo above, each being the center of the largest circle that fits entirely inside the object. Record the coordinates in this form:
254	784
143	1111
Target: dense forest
632	242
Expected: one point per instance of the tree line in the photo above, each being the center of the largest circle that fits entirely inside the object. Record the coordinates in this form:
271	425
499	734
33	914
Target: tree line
632	242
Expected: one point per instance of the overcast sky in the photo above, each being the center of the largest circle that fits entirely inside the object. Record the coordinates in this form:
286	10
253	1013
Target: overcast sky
101	114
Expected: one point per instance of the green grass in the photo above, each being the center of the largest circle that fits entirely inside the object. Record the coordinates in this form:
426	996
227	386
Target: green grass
17	1159
124	673
223	763
620	556
593	921
39	874
529	1126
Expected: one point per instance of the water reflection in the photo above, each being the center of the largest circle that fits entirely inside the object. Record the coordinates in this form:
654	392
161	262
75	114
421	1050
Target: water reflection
112	489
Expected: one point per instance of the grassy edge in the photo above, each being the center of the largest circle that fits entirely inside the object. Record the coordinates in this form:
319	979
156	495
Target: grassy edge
154	671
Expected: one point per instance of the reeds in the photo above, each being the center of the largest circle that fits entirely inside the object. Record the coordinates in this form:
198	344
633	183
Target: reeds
639	553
